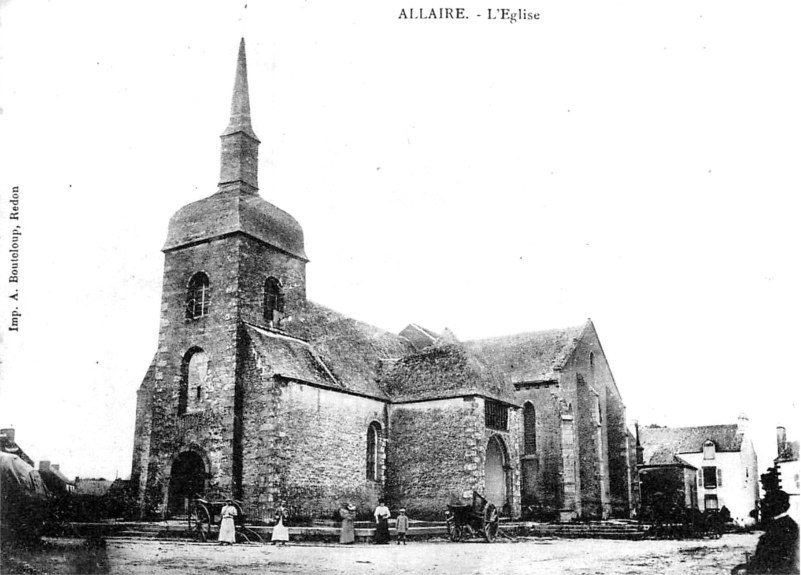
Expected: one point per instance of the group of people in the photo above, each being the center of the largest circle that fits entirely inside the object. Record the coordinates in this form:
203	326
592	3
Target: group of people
227	534
347	533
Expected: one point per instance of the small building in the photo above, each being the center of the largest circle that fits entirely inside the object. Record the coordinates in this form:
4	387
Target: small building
57	483
8	444
724	457
789	470
665	479
91	486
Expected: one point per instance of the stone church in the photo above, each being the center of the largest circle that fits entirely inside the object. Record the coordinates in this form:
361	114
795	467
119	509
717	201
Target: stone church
256	392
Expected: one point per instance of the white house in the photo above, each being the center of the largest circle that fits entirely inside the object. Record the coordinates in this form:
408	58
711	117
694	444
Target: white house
725	461
789	470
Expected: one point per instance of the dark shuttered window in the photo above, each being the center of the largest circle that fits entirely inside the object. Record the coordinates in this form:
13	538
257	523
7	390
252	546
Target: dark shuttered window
496	415
529	430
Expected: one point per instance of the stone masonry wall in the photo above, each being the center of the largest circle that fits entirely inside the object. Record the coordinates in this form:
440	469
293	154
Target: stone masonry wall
142	433
619	478
209	428
306	445
586	381
435	455
541	490
258	262
511	439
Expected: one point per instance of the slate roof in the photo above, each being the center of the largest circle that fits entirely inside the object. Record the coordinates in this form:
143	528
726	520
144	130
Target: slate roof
232	211
335	351
528	357
329	349
441	371
8	446
290	357
789	453
661	444
419	336
92	486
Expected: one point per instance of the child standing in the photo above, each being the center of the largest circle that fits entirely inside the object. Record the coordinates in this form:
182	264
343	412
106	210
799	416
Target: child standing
402	526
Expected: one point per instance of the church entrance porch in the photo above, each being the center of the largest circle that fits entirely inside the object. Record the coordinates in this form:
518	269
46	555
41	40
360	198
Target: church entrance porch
187	480
497	474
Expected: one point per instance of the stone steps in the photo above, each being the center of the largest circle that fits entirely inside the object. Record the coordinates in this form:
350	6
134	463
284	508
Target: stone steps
423	530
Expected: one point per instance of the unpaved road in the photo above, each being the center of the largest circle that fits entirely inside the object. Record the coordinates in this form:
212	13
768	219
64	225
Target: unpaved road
535	555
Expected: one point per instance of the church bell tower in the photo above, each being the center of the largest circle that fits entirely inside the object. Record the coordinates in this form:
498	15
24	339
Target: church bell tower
231	258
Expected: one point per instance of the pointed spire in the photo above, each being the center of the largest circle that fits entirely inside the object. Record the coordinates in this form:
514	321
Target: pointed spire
240	146
240	101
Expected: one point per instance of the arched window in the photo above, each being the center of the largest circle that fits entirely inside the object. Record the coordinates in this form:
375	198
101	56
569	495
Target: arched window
194	370
592	360
198	296
529	430
273	300
373	436
709	449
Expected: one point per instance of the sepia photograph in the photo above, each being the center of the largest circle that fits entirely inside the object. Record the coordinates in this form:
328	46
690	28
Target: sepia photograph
361	287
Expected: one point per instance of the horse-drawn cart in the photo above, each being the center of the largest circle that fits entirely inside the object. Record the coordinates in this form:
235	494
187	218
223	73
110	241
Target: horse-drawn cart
471	519
203	514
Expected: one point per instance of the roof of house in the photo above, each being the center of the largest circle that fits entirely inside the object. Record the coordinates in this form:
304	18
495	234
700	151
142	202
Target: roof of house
53	477
9	446
531	356
789	453
661	444
441	371
289	357
663	456
232	211
419	336
326	348
92	486
331	350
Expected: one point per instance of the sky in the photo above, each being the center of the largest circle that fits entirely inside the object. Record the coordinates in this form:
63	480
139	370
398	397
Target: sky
631	162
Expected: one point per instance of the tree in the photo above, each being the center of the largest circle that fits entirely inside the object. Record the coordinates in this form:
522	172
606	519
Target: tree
774	496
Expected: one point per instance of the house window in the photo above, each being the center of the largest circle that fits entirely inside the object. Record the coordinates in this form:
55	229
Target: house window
709	450
273	300
592	360
194	369
710	502
529	430
198	296
710	477
496	415
373	435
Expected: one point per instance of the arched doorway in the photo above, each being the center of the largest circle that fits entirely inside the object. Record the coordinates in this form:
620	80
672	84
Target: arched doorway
495	472
187	479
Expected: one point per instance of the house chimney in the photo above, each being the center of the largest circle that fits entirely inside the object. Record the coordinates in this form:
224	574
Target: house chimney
44	465
55	466
781	440
742	423
8	433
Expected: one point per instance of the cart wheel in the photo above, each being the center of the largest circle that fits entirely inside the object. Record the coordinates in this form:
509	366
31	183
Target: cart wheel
199	521
455	532
250	535
490	522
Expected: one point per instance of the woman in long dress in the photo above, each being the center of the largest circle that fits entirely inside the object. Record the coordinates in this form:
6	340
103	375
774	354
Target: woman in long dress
227	528
280	531
382	524
347	534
